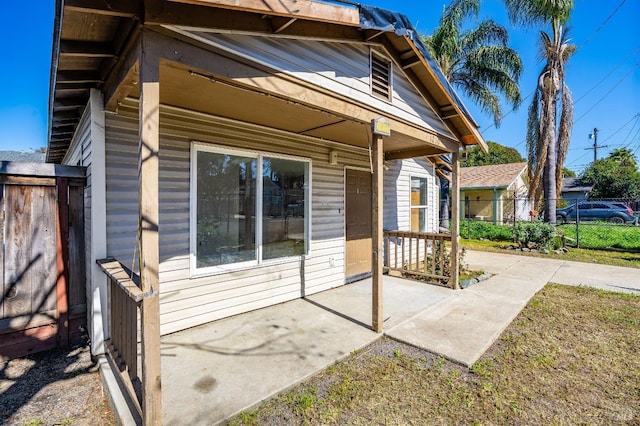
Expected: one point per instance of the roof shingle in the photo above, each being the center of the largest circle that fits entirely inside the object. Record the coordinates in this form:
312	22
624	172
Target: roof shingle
494	175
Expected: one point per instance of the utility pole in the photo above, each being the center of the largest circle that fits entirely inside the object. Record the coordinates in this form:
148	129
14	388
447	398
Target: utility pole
595	147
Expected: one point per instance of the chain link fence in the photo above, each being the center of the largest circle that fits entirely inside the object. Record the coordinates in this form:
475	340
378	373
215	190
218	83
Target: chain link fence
586	223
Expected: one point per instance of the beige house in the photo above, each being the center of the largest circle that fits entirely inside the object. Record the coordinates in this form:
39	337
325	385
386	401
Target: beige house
236	155
495	193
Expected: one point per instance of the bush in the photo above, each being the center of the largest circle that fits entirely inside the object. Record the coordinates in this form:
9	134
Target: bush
538	234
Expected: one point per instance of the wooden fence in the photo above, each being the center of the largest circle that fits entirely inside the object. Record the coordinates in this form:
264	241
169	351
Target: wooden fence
42	265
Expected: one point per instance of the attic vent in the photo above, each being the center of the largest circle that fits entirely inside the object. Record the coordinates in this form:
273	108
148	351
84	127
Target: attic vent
380	77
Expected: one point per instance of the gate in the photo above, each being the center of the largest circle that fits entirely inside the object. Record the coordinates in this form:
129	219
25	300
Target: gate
42	264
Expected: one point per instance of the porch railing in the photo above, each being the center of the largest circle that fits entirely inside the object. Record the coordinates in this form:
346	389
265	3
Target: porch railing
420	255
122	346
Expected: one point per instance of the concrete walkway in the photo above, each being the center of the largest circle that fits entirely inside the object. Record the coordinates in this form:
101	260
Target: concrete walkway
212	372
464	325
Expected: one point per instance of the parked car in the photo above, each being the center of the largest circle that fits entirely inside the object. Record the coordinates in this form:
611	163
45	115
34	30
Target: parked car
614	212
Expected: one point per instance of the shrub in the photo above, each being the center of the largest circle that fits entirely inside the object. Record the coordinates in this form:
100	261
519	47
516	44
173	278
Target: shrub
539	234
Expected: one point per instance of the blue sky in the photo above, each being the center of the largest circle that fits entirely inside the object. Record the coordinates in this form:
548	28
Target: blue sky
604	74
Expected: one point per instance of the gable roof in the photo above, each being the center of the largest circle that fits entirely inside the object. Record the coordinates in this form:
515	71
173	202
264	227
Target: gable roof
491	176
92	41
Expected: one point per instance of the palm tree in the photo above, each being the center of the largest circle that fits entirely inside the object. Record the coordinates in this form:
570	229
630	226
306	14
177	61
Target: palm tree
476	61
547	135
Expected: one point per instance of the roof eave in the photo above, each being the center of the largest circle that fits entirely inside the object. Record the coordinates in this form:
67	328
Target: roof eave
55	55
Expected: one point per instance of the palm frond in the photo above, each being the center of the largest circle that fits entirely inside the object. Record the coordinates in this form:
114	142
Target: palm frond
564	133
458	10
486	33
533	143
481	94
531	13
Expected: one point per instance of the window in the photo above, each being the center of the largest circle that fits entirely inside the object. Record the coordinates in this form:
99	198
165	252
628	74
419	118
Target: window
380	76
419	204
241	220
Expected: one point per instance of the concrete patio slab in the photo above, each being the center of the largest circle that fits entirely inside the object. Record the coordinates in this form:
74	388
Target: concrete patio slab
212	372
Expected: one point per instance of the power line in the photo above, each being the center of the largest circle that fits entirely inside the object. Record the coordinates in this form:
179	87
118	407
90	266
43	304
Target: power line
630	131
623	126
608	75
602	25
606	94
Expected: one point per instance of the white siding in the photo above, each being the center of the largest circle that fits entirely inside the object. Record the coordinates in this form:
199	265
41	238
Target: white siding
397	199
340	67
185	301
397	193
79	154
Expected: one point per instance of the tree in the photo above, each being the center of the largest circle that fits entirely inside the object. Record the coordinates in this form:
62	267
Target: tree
568	173
548	131
477	61
498	154
616	176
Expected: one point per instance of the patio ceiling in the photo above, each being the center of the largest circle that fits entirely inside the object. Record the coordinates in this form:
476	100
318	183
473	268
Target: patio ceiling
94	40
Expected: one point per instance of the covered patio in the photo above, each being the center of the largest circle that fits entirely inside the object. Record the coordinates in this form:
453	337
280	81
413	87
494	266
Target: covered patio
214	371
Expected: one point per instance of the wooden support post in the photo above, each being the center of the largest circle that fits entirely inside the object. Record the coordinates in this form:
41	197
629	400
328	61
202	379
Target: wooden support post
148	151
62	262
376	234
455	221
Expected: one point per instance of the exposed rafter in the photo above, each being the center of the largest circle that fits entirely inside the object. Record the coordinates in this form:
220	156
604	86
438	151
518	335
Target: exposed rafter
85	49
121	8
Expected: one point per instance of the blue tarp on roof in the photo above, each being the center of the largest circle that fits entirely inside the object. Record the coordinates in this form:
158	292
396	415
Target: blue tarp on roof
376	18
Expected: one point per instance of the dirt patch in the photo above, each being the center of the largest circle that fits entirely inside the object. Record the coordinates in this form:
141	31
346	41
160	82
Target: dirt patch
58	387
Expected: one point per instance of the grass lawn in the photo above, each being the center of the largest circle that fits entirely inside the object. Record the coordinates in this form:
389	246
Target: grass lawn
572	356
604	235
615	258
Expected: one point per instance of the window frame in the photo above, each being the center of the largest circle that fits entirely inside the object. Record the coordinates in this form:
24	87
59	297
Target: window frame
424	207
197	147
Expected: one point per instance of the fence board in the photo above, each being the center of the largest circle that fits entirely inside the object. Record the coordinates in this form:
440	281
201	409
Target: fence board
43	241
77	296
18	262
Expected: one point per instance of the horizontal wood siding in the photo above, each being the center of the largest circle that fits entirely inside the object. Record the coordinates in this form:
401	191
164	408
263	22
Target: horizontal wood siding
185	301
340	67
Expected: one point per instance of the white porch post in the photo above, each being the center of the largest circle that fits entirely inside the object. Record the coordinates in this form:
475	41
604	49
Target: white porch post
98	312
148	221
455	220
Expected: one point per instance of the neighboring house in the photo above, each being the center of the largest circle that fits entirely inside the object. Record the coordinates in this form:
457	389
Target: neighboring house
229	148
496	193
23	157
574	190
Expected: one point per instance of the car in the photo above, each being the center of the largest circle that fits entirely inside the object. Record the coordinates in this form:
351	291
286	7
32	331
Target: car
610	211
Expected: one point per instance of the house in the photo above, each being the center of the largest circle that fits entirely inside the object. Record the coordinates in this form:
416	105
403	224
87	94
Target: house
574	190
235	155
496	193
